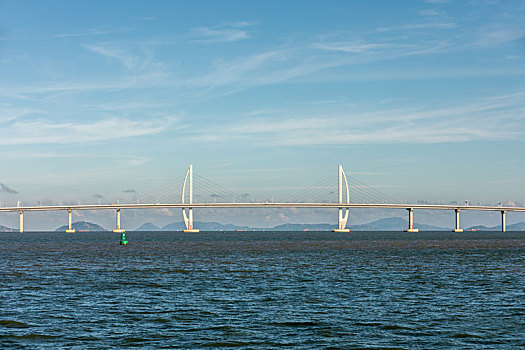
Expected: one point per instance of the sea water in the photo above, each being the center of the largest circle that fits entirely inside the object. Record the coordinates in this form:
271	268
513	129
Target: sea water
262	290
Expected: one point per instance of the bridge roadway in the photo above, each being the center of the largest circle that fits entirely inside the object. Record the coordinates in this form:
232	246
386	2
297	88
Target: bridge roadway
261	205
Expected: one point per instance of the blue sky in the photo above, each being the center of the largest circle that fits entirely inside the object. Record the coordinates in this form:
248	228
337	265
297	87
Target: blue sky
424	100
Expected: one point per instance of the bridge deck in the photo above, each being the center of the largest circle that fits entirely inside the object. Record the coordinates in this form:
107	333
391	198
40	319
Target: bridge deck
261	205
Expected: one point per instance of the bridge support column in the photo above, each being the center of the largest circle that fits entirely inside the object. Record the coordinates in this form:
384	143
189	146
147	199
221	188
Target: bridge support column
70	229
21	221
190	227
503	221
411	221
457	229
188	218
118	229
341	224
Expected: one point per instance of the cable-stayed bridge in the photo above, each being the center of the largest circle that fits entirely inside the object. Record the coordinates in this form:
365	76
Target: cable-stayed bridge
193	191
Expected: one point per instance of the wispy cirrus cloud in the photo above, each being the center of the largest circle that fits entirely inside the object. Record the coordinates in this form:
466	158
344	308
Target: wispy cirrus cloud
497	35
241	70
352	47
128	59
116	158
493	118
49	132
146	18
44	90
221	34
417	25
136	161
9	113
386	43
294	59
429	12
137	57
92	32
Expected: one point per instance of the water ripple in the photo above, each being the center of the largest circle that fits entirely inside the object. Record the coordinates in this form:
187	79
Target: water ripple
262	290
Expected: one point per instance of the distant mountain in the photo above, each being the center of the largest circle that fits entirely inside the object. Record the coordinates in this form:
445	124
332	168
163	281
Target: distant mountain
519	226
83	226
393	224
479	228
7	229
215	226
205	226
302	227
148	226
385	224
175	226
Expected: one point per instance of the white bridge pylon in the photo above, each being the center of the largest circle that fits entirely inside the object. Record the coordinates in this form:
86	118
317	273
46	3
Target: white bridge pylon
344	198
188	217
341	227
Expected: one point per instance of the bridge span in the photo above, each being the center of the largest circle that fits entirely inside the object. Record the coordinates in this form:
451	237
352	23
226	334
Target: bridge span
343	205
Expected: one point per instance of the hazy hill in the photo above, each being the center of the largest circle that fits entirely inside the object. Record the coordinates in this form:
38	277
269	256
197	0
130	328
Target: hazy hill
204	226
7	229
301	227
83	226
175	226
393	224
519	226
148	226
478	228
387	224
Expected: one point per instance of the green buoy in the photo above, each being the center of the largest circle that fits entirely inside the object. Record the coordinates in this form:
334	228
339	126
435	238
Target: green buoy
123	239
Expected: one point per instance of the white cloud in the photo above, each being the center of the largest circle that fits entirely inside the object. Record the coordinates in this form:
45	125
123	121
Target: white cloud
45	131
491	37
412	26
9	113
496	118
91	32
351	47
296	59
240	70
221	34
208	35
430	12
274	65
147	18
129	60
136	161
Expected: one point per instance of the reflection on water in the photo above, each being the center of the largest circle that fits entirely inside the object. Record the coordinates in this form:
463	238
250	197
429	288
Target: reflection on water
260	290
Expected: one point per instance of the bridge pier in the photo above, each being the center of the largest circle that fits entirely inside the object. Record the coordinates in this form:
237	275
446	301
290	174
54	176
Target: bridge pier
118	229
190	227
70	229
341	224
188	219
21	221
503	221
411	221
457	229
